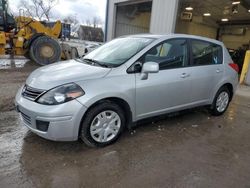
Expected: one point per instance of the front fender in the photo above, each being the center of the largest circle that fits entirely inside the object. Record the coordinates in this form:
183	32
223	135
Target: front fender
120	86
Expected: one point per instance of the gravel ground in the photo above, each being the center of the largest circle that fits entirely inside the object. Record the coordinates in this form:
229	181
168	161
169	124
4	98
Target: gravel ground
11	78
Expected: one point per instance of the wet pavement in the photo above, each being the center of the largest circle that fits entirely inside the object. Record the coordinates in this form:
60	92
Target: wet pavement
188	149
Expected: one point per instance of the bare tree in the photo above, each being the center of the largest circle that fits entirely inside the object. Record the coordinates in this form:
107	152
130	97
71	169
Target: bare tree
88	22
39	9
96	21
70	20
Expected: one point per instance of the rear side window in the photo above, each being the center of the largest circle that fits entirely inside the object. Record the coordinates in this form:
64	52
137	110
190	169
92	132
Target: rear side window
206	53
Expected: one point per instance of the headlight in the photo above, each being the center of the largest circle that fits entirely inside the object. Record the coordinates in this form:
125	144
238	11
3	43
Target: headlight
61	94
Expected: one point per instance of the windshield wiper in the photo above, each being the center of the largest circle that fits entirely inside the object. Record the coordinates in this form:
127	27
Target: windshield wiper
92	61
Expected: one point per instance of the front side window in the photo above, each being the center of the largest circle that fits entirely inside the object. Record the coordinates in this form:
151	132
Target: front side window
169	54
206	53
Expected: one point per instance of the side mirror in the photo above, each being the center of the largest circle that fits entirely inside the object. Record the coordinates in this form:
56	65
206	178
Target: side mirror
149	67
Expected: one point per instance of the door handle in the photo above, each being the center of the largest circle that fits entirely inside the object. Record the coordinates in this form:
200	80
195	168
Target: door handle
185	75
218	71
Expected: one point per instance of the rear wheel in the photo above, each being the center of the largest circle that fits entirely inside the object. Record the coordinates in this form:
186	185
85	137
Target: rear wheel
221	101
102	125
45	50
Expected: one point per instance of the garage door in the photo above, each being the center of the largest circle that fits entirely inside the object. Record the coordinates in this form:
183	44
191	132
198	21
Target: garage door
224	20
133	18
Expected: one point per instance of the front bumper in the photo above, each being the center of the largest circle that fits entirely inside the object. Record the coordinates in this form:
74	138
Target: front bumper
63	120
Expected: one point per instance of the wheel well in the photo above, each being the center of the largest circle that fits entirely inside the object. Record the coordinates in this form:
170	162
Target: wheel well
125	107
122	103
230	88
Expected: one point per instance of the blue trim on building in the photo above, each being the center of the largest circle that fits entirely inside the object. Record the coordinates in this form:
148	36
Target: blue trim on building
106	21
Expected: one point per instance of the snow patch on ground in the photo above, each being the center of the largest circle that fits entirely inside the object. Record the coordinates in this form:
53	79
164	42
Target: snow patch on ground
7	62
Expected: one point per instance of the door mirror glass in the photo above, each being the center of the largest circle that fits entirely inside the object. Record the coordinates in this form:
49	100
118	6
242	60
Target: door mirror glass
149	67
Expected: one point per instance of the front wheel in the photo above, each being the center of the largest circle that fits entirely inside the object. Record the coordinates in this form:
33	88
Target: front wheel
221	102
102	125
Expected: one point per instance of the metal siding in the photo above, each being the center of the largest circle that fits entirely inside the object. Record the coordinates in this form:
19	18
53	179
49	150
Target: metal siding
126	29
112	17
163	16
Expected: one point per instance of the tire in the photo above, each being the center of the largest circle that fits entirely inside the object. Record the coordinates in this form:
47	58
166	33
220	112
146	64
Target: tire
217	109
74	53
45	50
86	51
94	116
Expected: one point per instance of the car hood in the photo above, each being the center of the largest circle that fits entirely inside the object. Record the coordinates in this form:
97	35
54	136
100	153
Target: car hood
60	73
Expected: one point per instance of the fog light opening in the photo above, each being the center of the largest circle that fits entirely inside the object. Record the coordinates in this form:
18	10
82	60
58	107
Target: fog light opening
42	125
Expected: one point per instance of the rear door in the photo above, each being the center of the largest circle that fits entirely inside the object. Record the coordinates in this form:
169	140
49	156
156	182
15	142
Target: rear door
206	69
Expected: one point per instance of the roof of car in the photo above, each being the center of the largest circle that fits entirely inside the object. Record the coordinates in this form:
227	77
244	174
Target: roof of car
174	35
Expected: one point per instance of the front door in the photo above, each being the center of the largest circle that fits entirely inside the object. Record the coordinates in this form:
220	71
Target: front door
169	89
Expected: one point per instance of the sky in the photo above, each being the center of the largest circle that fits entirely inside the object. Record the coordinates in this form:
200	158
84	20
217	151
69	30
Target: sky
79	9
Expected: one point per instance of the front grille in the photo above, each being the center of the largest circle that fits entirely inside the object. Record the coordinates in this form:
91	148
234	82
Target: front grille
31	93
26	118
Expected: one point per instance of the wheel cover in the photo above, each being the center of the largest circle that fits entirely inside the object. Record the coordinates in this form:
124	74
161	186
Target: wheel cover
222	101
105	126
47	51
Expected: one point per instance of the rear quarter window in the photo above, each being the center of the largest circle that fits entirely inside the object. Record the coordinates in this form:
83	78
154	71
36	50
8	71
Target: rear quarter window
206	53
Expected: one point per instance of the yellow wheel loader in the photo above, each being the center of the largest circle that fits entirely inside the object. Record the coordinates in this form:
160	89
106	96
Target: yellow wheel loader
26	36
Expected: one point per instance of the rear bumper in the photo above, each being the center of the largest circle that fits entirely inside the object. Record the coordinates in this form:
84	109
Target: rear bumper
63	120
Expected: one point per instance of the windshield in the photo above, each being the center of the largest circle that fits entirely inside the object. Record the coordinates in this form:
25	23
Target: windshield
118	51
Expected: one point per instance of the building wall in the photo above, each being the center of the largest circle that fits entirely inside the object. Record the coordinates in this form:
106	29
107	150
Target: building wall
163	20
235	41
110	18
230	41
163	16
195	28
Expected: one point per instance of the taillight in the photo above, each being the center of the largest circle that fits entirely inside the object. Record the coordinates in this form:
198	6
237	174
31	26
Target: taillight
234	66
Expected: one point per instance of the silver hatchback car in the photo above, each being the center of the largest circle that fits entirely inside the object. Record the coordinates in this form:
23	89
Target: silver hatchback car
130	78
